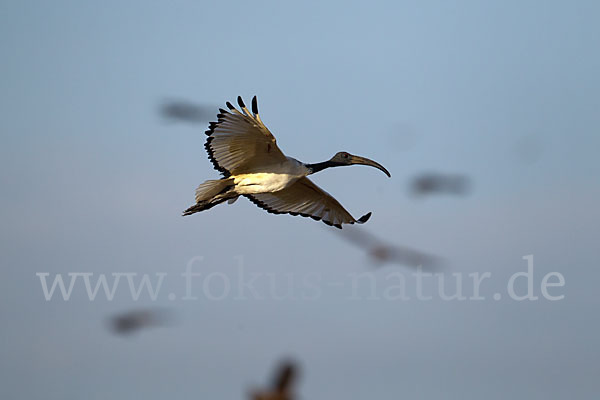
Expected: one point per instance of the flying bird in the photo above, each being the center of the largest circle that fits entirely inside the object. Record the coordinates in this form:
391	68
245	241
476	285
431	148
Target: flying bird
381	252
432	183
241	147
136	320
282	385
184	111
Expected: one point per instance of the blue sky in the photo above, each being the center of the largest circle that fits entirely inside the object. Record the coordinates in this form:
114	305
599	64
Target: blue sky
94	180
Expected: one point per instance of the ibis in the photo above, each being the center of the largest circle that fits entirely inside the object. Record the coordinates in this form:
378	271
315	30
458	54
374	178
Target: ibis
282	385
242	148
381	252
136	320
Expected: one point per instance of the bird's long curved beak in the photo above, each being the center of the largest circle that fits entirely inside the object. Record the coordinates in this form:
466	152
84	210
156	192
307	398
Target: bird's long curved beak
366	161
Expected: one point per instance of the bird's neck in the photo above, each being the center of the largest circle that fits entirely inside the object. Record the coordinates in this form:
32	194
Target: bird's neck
314	168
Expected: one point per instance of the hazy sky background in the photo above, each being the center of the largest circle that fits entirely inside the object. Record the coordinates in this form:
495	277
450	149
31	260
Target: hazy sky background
94	180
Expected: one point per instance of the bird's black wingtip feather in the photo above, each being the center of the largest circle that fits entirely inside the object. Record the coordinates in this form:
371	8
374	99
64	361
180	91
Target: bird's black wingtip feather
241	102
364	218
230	106
254	105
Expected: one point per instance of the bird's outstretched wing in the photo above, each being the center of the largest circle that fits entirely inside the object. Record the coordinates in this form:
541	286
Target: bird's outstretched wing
239	142
308	200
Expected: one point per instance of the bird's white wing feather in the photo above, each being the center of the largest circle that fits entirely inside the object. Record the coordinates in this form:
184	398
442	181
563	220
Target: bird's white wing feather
308	200
240	143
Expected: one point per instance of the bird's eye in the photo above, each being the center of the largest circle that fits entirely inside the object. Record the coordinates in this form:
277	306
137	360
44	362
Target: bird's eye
345	155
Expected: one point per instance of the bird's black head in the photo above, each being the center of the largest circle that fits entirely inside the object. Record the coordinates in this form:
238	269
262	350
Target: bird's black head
344	158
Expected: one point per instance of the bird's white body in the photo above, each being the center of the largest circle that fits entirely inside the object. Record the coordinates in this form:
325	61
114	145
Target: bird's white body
271	179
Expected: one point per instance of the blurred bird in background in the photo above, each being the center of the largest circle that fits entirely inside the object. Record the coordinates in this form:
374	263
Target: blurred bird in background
381	252
185	111
282	384
436	183
136	320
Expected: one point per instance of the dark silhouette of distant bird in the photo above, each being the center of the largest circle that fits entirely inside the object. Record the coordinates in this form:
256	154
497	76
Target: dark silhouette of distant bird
133	321
185	111
282	385
381	252
435	183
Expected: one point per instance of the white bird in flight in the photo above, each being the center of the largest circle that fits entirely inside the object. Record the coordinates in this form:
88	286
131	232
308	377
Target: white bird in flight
242	148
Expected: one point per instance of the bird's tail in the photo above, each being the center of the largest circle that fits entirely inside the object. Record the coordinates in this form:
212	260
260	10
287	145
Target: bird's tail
211	193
